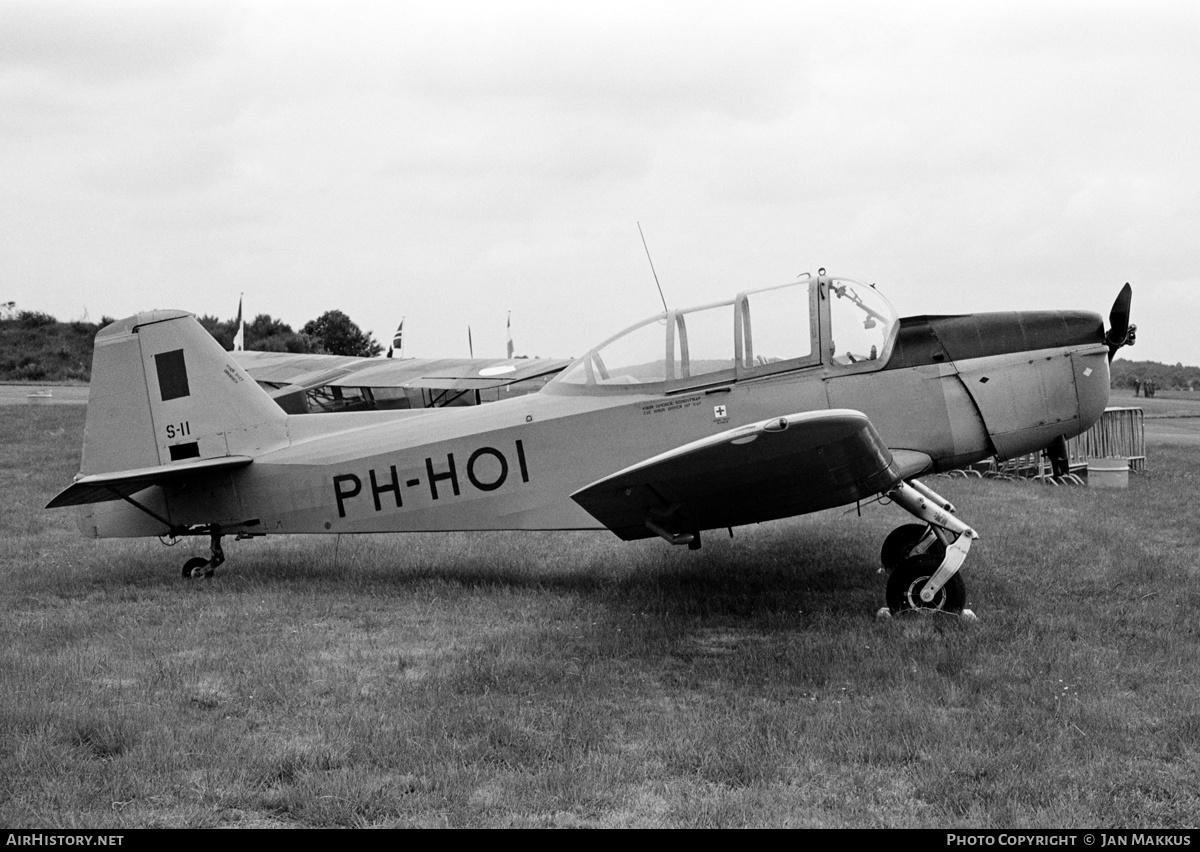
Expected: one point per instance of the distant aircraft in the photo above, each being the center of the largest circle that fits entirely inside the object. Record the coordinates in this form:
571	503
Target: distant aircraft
304	383
781	401
311	384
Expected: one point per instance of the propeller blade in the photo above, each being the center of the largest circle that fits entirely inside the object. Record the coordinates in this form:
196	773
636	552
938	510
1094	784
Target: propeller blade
1120	332
1118	317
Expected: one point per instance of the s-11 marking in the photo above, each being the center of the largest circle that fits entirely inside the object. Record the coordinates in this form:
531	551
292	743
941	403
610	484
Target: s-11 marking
178	430
486	469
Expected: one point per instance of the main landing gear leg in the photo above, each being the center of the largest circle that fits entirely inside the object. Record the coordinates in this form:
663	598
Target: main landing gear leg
924	560
198	566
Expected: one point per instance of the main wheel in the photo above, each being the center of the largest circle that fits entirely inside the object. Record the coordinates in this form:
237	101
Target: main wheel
906	581
903	539
193	568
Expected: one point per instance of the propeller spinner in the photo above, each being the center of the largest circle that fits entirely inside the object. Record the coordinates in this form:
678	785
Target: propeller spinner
1120	331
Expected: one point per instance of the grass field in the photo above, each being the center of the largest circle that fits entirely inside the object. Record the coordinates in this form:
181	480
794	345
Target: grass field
571	679
1165	404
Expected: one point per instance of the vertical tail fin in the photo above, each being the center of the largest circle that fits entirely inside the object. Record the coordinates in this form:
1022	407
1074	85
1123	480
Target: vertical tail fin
163	391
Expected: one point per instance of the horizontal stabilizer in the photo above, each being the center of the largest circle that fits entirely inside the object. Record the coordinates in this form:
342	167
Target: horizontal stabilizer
102	487
772	469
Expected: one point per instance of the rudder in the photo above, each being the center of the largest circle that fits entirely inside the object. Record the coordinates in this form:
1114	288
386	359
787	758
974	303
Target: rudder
163	391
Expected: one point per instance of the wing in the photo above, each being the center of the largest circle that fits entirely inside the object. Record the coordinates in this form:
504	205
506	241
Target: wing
772	469
283	368
447	373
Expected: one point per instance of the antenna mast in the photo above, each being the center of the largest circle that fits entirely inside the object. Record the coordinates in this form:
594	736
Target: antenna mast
652	272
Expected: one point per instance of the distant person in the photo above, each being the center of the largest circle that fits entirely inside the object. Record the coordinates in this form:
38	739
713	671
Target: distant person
1137	387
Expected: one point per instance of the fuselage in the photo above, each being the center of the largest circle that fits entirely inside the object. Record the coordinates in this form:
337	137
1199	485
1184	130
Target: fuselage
957	389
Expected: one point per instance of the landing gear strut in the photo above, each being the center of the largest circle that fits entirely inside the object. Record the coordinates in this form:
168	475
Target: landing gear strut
198	566
907	541
924	559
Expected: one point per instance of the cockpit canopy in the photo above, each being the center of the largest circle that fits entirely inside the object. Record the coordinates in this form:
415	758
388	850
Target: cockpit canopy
839	322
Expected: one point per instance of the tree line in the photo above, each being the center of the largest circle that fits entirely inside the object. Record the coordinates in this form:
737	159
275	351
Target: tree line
332	333
36	347
1128	374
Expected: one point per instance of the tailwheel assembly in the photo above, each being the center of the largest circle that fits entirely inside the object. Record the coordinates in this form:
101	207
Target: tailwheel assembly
198	566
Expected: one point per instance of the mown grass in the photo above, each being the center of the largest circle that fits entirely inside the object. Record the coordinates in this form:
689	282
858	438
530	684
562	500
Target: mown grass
1168	403
546	679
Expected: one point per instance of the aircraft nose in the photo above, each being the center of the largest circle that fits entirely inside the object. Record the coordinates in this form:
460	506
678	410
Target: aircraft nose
1034	376
1091	386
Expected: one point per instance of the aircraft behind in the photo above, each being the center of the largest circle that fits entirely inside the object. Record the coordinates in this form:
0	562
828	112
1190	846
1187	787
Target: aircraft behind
313	384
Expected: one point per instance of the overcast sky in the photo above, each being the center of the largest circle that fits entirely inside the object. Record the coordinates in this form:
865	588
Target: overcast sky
450	162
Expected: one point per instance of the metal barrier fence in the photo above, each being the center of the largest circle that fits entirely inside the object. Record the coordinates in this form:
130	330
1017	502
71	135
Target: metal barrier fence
1120	433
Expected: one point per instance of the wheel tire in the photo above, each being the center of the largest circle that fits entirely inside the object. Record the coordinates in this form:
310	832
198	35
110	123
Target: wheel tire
906	581
190	567
901	540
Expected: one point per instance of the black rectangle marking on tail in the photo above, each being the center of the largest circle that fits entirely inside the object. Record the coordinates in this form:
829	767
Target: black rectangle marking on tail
184	451
172	374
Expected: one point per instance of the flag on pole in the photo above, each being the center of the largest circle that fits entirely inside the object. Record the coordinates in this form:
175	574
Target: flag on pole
509	326
398	340
239	337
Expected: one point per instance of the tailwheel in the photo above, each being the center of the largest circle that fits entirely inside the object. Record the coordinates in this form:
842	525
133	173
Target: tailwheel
907	579
197	566
901	541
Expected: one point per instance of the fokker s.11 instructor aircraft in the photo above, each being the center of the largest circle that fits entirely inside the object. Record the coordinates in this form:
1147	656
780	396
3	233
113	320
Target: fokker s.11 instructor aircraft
781	401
